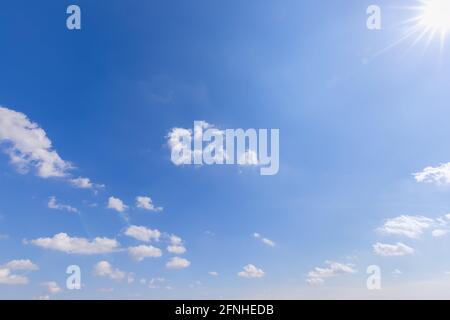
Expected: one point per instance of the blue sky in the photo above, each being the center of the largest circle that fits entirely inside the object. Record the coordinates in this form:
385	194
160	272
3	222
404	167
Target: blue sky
356	123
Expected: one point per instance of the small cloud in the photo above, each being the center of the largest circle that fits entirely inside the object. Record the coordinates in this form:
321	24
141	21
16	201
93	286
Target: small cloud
6	277
176	246
53	204
439	175
333	269
142	233
178	263
397	272
439	233
392	250
74	245
116	204
139	253
408	226
105	269
266	241
251	271
85	183
27	265
146	203
213	274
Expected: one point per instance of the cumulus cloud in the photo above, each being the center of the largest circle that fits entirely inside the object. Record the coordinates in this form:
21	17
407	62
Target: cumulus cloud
146	203
409	226
28	146
392	250
116	204
85	183
212	140
251	271
23	264
438	175
333	269
178	263
176	249
6	277
105	269
266	241
52	287
142	233
139	253
176	245
175	240
53	204
73	245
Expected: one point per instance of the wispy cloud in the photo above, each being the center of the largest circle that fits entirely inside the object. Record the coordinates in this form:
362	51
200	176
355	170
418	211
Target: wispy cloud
392	250
53	204
333	269
264	240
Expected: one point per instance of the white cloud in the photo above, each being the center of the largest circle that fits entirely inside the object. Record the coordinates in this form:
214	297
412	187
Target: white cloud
21	265
105	269
146	203
213	274
82	183
139	253
53	204
266	241
409	226
176	246
438	175
73	245
52	287
318	275
85	183
28	146
439	233
175	240
251	271
142	233
7	278
178	138
178	263
176	249
397	272
116	204
392	250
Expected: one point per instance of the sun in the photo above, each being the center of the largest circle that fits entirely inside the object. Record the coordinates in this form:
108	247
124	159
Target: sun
433	20
435	16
